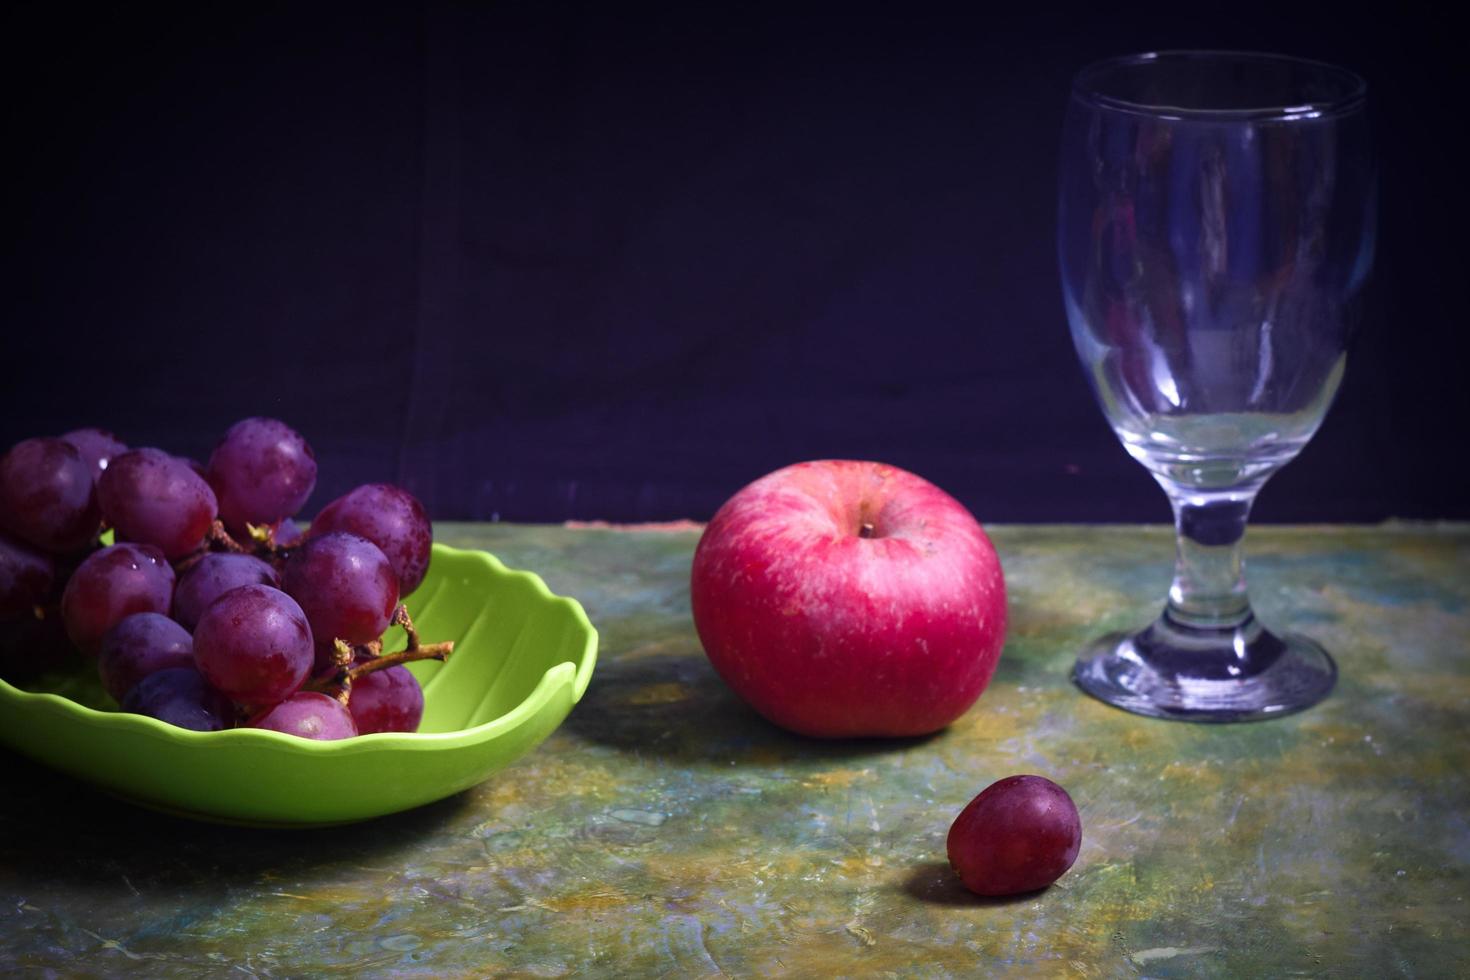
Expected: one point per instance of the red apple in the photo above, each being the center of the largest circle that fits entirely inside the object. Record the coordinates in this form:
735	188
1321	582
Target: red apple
843	598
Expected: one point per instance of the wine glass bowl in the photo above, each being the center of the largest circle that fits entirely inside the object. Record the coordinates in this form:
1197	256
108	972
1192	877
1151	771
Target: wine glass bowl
1215	231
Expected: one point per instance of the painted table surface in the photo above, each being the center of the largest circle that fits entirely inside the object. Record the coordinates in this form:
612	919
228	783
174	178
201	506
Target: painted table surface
666	830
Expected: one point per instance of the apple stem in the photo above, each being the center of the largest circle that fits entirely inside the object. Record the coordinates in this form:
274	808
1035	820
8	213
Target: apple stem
866	531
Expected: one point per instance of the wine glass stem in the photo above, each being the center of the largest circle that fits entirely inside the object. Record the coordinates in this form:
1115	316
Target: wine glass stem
1208	591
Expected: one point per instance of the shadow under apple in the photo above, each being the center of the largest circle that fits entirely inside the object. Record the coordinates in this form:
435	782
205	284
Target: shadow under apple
674	706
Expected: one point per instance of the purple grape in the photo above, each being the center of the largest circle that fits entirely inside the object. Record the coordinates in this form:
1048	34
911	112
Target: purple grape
388	700
254	644
111	584
46	496
97	446
262	471
26	577
308	714
154	498
346	585
1020	834
180	696
214	575
139	645
391	518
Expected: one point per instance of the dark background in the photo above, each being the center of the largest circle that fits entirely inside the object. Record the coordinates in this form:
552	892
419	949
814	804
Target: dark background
539	262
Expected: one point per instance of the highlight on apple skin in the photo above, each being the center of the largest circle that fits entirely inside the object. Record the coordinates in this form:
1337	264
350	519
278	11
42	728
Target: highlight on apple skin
843	598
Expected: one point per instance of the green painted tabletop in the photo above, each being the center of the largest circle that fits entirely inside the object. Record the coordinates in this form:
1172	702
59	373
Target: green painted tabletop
666	830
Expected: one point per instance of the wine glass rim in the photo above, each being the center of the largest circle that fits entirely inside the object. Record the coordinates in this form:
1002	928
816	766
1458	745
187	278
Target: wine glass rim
1355	88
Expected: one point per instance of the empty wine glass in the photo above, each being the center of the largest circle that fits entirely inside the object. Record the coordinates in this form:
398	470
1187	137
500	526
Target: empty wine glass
1216	227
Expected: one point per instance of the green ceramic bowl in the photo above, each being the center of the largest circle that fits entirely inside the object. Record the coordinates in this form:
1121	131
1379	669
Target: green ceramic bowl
522	658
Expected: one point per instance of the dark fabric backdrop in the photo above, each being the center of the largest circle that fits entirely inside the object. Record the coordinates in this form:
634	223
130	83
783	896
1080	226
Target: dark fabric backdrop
540	262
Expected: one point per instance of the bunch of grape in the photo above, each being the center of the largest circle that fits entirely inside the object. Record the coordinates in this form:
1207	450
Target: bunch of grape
213	609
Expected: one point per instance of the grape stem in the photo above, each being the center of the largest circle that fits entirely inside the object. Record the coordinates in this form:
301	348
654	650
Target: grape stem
339	685
216	539
219	536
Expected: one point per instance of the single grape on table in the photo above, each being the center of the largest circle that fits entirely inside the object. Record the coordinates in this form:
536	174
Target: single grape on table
1019	835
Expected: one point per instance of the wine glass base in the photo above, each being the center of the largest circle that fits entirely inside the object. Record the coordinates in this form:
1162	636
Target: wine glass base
1187	681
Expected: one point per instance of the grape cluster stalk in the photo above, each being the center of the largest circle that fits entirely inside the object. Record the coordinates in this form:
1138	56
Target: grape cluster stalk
213	608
